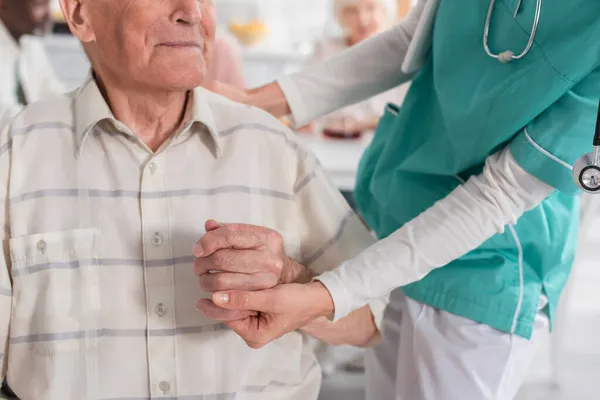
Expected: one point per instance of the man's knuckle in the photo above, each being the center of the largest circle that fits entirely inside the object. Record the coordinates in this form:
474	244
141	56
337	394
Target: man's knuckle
197	267
232	229
205	284
277	264
275	239
220	282
215	258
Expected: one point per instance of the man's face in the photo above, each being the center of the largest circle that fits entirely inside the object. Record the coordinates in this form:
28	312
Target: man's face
25	17
164	45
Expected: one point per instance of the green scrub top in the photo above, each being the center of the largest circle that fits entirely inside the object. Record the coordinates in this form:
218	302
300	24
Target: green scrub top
462	107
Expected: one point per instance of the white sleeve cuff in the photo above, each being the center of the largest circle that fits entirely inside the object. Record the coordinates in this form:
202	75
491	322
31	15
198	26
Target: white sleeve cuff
378	310
300	115
338	293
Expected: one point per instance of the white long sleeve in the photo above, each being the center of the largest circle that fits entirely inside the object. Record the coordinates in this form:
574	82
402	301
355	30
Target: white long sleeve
365	70
455	225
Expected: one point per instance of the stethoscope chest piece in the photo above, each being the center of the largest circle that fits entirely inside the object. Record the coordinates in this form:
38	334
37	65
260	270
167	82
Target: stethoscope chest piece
586	174
586	171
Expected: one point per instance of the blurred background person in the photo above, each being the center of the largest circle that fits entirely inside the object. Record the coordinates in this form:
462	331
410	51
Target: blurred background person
24	66
226	62
358	20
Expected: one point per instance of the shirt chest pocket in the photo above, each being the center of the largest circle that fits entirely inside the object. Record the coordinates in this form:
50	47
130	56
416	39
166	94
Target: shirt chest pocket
56	291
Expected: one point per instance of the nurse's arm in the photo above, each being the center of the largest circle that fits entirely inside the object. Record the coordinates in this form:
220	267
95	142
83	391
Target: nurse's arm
455	225
358	329
364	70
5	283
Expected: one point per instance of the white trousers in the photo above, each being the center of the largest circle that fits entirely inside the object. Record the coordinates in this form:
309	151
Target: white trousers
429	354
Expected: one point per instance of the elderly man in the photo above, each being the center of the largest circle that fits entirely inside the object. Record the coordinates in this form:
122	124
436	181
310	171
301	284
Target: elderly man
24	67
106	190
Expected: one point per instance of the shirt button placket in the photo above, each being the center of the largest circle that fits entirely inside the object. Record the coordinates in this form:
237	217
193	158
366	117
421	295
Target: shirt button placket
158	270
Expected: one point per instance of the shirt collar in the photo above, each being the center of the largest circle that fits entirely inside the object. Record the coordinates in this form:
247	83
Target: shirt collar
201	114
91	108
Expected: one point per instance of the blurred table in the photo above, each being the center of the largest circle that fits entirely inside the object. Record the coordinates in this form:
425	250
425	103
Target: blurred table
339	157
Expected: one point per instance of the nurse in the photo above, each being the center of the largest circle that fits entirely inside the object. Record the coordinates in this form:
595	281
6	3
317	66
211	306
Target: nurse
468	186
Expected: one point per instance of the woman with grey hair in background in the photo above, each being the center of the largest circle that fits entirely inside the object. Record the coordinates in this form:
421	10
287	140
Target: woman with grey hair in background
358	21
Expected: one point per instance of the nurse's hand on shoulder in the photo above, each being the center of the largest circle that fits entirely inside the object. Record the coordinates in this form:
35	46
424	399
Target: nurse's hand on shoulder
280	310
269	97
230	91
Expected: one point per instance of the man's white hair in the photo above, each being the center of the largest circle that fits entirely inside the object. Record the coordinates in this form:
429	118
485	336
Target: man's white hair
391	7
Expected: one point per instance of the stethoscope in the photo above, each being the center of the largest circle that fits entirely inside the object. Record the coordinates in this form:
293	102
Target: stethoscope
586	171
507	55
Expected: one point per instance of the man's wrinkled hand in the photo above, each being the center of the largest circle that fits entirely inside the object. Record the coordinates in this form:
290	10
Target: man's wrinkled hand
244	257
281	310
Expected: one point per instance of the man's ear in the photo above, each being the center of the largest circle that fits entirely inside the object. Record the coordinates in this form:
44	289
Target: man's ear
77	16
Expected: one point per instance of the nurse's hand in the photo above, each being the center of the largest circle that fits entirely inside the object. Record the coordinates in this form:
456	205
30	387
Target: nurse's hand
230	91
269	97
281	310
244	257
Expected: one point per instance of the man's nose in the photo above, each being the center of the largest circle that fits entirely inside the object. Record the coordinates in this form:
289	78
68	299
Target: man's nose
188	12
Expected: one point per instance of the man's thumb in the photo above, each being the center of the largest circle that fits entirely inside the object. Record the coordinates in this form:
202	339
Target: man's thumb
241	300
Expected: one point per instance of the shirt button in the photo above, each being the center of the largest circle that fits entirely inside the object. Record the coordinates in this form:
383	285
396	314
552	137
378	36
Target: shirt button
160	309
157	239
164	387
152	167
41	246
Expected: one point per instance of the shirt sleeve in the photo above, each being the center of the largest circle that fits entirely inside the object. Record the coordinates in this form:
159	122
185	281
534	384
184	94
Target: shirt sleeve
5	282
549	146
330	231
367	69
453	226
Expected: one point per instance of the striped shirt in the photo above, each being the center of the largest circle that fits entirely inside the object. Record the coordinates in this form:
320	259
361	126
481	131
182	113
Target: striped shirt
97	286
